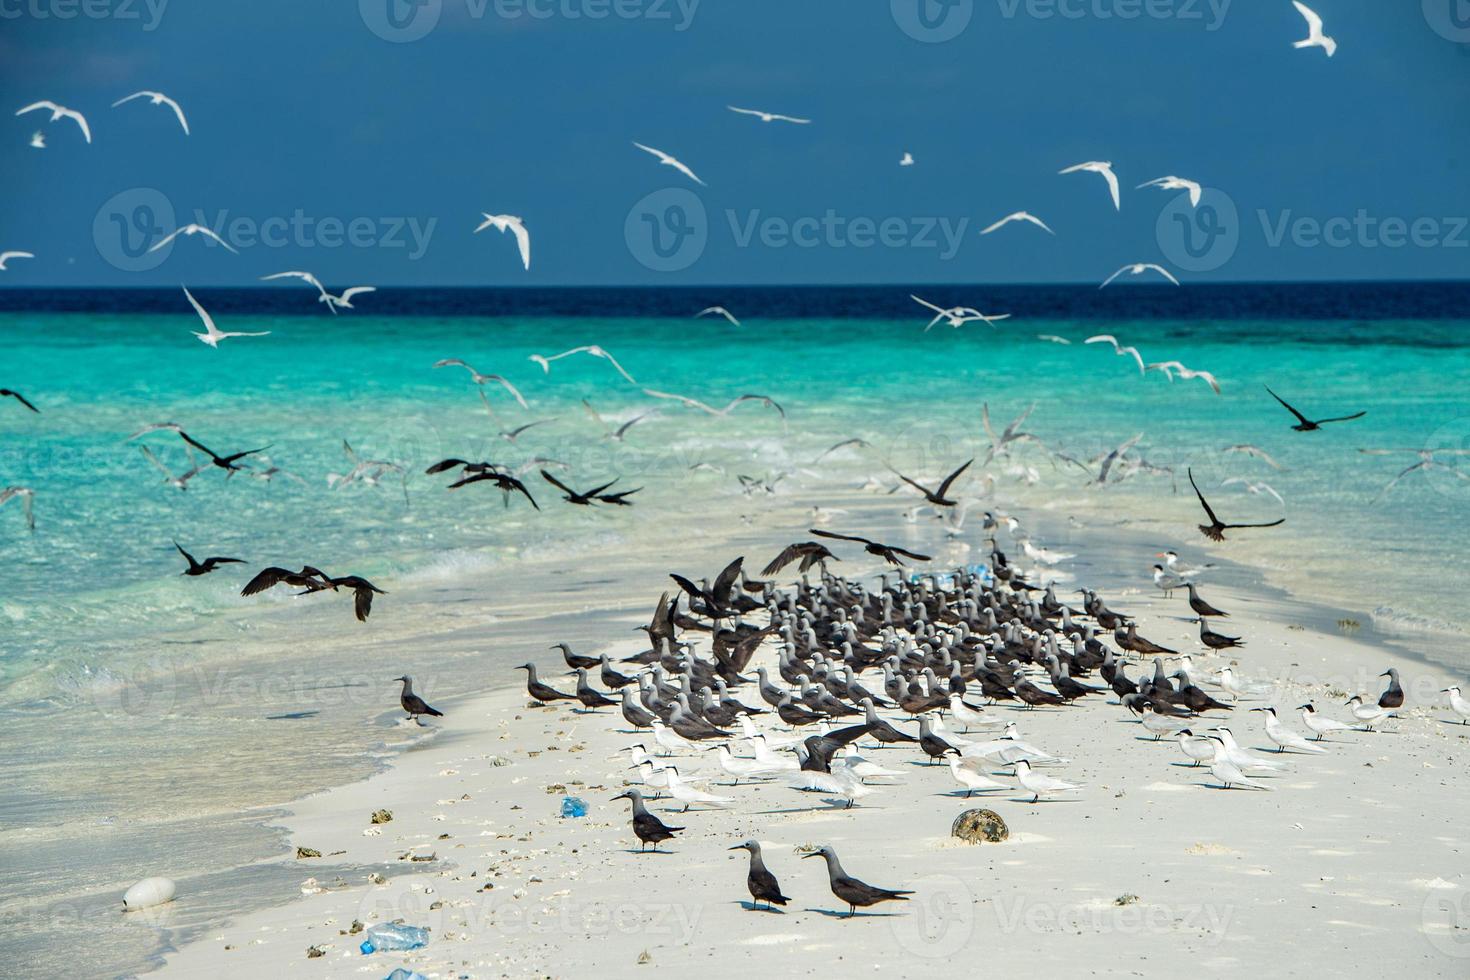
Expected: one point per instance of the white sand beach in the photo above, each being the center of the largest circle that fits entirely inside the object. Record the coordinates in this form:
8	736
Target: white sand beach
1354	856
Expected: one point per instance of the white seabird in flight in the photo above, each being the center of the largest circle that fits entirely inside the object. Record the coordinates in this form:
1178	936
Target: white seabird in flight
26	496
1177	184
1118	349
1138	269
480	379
1106	170
191	229
1315	37
1019	216
513	224
720	311
38	140
213	335
158	98
907	160
768	116
593	349
669	161
59	112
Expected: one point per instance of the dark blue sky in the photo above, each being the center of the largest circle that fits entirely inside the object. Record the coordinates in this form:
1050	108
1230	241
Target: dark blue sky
303	116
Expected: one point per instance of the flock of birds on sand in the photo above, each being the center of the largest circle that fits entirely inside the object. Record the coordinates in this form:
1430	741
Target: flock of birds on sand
862	670
855	666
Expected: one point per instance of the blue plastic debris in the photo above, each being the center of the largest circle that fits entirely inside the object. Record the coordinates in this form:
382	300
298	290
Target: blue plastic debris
572	806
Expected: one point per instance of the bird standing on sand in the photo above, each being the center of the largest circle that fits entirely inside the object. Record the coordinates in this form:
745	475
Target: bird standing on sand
851	891
539	691
412	703
762	884
1394	696
207	565
1321	724
1039	784
1458	704
1200	606
646	827
591	700
1216	641
1284	737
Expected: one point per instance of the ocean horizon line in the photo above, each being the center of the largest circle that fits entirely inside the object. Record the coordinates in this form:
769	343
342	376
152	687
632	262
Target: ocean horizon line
1357	300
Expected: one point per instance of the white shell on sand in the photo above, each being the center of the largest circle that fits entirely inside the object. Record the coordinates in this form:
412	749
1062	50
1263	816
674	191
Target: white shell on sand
148	893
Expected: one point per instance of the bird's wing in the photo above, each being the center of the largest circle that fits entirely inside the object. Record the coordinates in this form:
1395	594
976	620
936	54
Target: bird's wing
949	480
80	120
1038	223
196	444
267	578
1110	280
203	315
557	483
1112	180
187	557
294	274
135	95
1314	21
1238	526
43	104
743	112
1000	224
599	352
622	430
768	402
523	241
1344	418
1203	503
1163	272
840	537
178	111
1103	338
925	302
517	395
352	291
1300	417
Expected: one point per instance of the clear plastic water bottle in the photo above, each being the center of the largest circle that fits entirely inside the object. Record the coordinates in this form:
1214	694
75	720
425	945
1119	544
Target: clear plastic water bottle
572	806
394	935
404	974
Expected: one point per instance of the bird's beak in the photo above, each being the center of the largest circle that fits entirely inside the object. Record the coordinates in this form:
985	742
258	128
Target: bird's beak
737	847
810	854
1258	709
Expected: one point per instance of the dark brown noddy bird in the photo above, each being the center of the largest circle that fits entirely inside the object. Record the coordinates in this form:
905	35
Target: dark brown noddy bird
1215	530
888	553
646	827
762	884
1305	424
207	565
541	692
851	891
412	703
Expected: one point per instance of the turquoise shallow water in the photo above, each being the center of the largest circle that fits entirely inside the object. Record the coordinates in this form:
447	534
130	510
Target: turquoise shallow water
136	731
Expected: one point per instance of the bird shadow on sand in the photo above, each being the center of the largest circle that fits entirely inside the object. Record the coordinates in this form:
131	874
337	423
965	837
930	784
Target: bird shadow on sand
752	907
1450	721
1044	799
650	850
293	716
834	914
